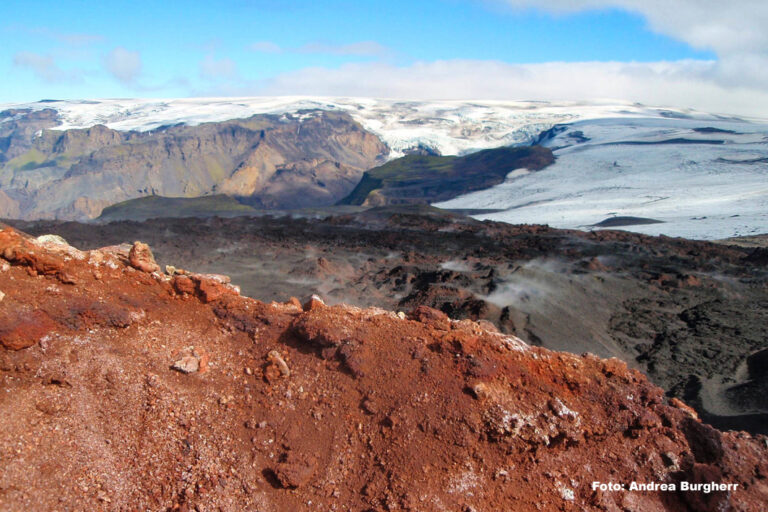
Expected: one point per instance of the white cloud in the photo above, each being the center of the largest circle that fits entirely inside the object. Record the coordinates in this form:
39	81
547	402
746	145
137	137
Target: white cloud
725	27
123	64
217	69
735	82
734	30
687	83
44	67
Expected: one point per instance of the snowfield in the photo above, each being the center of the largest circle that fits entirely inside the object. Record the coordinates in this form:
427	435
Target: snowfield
449	127
613	159
700	182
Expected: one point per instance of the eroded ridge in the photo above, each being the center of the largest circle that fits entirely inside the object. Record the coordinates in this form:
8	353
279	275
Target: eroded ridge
124	387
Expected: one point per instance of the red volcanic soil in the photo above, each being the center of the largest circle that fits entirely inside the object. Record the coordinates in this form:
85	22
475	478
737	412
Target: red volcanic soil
122	389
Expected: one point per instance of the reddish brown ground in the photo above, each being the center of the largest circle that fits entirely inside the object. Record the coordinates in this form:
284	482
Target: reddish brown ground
316	408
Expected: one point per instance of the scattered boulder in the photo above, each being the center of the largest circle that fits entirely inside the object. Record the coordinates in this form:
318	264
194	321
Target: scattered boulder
211	290
314	302
51	239
431	316
183	285
212	287
295	470
679	404
141	258
276	368
189	361
187	364
207	287
19	250
23	329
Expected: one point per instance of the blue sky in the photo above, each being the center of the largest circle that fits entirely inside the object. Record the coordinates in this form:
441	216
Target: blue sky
78	49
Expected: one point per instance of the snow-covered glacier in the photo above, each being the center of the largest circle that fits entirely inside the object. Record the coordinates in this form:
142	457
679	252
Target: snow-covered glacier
701	180
447	127
700	175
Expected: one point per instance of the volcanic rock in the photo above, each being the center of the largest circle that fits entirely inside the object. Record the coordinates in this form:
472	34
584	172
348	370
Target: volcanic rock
407	414
277	367
141	258
188	362
533	282
295	470
209	287
314	302
51	239
183	284
22	329
432	317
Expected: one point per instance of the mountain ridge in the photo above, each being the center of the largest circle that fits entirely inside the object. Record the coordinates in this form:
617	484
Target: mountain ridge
449	127
311	159
71	159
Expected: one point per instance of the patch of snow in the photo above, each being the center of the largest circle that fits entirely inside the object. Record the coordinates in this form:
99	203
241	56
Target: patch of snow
518	173
700	185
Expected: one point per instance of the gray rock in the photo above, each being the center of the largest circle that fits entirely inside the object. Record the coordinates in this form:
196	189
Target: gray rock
51	239
187	364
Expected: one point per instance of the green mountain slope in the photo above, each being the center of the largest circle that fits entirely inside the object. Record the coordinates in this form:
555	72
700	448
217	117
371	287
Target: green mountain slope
422	179
150	207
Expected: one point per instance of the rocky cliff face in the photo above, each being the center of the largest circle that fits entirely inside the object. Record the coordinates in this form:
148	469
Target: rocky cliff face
311	158
124	387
